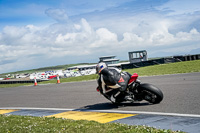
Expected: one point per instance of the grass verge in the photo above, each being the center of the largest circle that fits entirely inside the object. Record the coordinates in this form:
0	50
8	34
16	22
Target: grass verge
73	79
172	68
23	124
13	85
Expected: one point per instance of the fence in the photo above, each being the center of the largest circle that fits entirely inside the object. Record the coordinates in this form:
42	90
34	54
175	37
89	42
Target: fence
161	61
18	81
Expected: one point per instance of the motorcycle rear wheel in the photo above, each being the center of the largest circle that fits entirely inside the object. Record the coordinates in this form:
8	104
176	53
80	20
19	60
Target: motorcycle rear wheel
151	93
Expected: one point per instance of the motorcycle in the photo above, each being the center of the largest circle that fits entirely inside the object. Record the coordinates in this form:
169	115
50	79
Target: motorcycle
136	91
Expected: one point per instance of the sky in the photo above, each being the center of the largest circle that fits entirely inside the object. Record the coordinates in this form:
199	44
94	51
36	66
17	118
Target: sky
41	33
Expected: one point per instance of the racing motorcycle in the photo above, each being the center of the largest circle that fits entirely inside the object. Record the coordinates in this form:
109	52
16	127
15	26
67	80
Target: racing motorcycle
136	91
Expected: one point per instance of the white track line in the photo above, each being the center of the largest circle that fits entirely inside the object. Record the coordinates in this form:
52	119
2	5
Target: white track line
32	108
108	111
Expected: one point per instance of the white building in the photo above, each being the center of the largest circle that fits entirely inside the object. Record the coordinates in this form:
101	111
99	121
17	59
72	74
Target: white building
109	59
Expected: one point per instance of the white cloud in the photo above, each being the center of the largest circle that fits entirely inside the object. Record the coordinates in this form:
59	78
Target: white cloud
104	38
77	27
14	32
105	35
31	46
18	44
131	37
81	34
188	36
59	15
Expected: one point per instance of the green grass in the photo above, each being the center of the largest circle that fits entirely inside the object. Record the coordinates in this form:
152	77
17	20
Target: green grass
172	68
26	124
14	85
73	79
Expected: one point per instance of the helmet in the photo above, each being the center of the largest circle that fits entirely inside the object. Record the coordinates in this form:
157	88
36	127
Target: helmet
100	66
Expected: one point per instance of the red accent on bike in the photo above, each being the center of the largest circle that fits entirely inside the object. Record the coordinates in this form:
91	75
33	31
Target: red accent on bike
133	78
121	80
98	89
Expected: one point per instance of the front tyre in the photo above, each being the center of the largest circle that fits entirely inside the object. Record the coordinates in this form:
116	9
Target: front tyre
151	93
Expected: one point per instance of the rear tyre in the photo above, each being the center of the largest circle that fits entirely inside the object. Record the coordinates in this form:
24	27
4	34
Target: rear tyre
151	93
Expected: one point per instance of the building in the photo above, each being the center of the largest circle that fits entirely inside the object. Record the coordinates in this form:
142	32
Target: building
109	59
137	56
82	67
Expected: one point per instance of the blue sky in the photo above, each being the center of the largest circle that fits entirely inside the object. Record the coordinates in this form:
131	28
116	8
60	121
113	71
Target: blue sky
44	33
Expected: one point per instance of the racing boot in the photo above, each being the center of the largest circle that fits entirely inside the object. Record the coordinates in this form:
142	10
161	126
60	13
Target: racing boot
129	97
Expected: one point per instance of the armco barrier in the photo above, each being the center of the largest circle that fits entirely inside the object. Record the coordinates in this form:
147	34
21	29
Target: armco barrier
187	57
161	61
17	81
143	63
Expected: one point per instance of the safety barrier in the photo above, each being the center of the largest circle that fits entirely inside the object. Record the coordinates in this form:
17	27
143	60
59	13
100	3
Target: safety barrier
161	61
18	81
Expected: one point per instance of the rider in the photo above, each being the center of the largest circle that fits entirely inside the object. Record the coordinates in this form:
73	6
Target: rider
113	78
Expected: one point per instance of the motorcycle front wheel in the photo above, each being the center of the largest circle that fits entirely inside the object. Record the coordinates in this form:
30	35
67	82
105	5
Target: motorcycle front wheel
151	93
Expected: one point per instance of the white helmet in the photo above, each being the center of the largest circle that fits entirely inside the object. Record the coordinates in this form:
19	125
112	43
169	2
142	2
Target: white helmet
100	66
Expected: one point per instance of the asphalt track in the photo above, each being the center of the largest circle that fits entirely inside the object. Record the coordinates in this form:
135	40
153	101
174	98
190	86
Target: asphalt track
179	110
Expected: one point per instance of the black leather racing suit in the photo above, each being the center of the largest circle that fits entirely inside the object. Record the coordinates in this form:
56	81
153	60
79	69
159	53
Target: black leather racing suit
112	78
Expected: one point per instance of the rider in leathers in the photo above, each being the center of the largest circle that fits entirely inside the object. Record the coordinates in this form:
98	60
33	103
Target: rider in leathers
115	79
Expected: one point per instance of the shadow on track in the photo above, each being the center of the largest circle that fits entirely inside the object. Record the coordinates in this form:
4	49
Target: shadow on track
105	106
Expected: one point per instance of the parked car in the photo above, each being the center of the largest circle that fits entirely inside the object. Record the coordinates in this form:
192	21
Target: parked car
52	77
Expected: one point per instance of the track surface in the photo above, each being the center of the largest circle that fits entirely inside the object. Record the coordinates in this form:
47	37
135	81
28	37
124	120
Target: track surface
181	95
179	110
